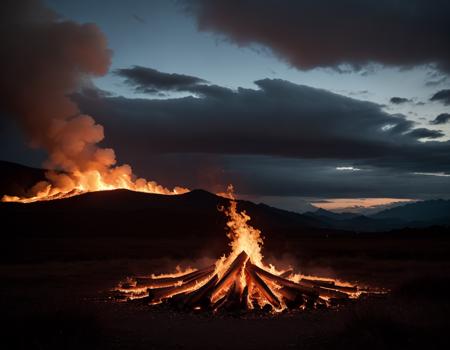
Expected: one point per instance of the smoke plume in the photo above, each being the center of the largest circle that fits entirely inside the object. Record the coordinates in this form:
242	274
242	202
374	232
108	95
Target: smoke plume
45	59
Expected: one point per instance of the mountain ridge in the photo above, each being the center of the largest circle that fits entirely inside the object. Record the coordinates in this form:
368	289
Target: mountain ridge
197	204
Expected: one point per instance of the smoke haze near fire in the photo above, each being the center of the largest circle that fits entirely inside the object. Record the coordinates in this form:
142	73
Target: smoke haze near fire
45	59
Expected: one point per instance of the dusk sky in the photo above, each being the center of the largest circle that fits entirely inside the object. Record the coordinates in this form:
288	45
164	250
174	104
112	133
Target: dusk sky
342	104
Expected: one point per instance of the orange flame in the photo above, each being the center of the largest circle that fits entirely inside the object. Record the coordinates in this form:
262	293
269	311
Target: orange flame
243	236
62	185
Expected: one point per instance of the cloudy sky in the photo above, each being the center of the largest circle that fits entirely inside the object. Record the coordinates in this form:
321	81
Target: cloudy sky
343	104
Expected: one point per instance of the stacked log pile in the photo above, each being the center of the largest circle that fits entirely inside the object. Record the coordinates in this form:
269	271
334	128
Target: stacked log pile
242	286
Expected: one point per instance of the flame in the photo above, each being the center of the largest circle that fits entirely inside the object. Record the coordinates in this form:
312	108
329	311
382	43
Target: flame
179	272
65	185
243	237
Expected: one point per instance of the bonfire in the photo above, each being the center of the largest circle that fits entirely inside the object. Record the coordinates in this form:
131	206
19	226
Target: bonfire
239	280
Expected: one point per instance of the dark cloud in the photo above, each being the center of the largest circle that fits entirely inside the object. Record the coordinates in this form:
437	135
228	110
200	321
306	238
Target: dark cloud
358	93
399	100
422	133
436	82
329	33
442	96
442	118
138	18
93	91
279	120
213	91
149	80
310	178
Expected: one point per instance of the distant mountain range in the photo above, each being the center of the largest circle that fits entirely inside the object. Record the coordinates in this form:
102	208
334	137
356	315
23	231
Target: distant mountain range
417	214
431	210
123	212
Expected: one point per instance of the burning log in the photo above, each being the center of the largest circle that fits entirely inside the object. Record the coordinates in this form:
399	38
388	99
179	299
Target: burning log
312	290
287	273
230	275
231	300
263	288
330	293
289	293
244	298
292	297
157	294
203	294
159	282
283	282
314	283
328	284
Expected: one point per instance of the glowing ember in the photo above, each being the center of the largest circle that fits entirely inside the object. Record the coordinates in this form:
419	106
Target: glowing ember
240	281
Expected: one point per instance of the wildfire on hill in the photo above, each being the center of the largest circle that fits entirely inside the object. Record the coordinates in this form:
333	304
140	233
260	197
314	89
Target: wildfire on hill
65	185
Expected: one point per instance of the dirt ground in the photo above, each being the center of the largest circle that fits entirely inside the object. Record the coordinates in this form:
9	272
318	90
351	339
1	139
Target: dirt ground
54	295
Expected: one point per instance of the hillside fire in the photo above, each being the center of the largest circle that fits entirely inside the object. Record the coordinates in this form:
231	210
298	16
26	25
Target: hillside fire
239	281
65	185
